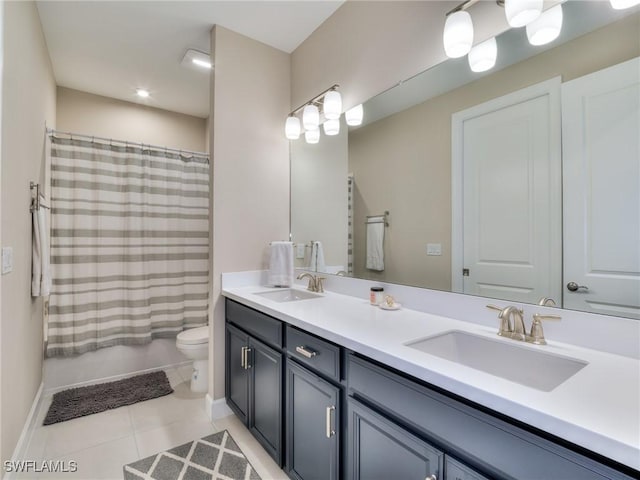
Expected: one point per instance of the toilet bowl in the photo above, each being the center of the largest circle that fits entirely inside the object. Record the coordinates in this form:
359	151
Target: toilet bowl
194	344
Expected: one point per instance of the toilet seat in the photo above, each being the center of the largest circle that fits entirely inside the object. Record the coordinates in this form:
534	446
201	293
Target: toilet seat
193	336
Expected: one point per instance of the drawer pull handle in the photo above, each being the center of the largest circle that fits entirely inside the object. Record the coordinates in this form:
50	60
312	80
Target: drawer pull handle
243	357
330	433
302	350
431	477
247	365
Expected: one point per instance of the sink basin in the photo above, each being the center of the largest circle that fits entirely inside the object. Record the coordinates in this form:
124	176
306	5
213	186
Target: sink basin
533	368
288	295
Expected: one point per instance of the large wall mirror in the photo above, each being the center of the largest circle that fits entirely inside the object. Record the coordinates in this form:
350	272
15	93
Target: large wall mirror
519	183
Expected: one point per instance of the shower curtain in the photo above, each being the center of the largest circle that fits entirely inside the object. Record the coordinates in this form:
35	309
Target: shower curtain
129	244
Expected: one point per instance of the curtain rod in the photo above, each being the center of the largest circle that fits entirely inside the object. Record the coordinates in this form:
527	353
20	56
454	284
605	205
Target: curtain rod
52	132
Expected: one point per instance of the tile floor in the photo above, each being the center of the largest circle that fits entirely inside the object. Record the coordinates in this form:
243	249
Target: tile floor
102	443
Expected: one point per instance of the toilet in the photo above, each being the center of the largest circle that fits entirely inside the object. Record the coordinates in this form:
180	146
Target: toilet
194	344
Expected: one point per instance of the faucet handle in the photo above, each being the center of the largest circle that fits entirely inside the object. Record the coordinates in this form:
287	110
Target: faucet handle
506	328
493	307
319	284
537	333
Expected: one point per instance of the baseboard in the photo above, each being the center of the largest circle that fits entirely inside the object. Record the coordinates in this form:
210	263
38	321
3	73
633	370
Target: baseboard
217	408
22	447
113	378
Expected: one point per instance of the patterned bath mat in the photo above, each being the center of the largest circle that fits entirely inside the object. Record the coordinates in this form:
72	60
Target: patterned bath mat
215	457
78	402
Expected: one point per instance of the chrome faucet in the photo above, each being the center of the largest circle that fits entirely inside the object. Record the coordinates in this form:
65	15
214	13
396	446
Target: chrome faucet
315	282
517	330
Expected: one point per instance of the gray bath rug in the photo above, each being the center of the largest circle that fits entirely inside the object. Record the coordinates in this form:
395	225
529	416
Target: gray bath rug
215	457
78	402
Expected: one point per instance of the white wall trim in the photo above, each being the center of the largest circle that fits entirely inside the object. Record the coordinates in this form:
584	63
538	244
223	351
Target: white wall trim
550	88
22	447
217	408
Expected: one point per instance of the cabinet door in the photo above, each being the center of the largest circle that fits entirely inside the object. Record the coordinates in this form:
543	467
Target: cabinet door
379	449
454	470
313	419
237	376
265	392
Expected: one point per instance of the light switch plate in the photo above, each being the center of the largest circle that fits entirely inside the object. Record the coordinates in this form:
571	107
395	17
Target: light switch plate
7	259
434	249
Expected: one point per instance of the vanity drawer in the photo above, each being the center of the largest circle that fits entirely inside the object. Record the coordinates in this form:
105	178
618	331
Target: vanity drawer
318	354
257	324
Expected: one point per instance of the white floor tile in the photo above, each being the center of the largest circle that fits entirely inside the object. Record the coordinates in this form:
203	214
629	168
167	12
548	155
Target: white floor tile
80	433
163	438
174	377
104	461
186	371
166	410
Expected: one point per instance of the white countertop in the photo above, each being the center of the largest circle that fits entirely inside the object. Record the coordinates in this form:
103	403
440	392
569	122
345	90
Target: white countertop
597	408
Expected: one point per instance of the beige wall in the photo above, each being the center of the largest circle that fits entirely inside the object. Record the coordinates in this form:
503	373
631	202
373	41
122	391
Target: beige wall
81	112
250	102
369	46
402	163
28	100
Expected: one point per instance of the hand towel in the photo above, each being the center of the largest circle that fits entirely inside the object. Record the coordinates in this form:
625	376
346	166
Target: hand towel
40	269
375	243
281	264
316	262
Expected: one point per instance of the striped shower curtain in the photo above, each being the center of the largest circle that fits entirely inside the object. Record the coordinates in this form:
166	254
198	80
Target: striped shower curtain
129	244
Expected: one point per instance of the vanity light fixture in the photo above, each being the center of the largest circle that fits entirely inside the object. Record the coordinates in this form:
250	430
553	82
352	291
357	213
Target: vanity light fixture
311	117
332	105
312	136
622	4
483	56
193	57
354	116
292	127
546	28
521	12
331	127
458	33
142	93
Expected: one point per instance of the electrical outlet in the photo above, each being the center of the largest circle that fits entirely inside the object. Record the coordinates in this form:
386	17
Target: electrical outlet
7	260
434	249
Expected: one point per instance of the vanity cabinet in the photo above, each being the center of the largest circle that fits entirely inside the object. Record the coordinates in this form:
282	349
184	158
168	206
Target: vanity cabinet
380	449
313	425
254	384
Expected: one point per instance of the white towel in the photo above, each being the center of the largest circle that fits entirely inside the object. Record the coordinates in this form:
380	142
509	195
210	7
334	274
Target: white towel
40	270
316	261
375	243
281	264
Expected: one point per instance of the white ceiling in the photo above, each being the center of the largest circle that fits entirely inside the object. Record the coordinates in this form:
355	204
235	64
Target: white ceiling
110	48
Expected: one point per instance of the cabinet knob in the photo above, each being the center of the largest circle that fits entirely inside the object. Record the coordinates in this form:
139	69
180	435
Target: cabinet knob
431	477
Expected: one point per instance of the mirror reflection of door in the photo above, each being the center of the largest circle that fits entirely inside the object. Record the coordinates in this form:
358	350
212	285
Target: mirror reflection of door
601	175
508	150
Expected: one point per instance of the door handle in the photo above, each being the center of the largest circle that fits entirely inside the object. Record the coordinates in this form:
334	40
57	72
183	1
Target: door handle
574	287
330	433
243	357
302	350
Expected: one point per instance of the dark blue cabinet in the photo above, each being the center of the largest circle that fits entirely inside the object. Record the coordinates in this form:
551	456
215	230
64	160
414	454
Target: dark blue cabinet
254	387
380	450
313	425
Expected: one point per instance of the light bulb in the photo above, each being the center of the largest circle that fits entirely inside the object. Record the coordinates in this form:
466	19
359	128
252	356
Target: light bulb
458	34
292	128
483	56
622	4
312	136
354	116
310	117
331	127
332	105
546	27
521	12
141	92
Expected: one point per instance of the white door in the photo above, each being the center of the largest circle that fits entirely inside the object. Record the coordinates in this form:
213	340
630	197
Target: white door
601	157
508	150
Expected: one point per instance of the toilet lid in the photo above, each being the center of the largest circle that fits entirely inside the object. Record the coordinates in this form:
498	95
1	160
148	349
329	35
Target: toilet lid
194	336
